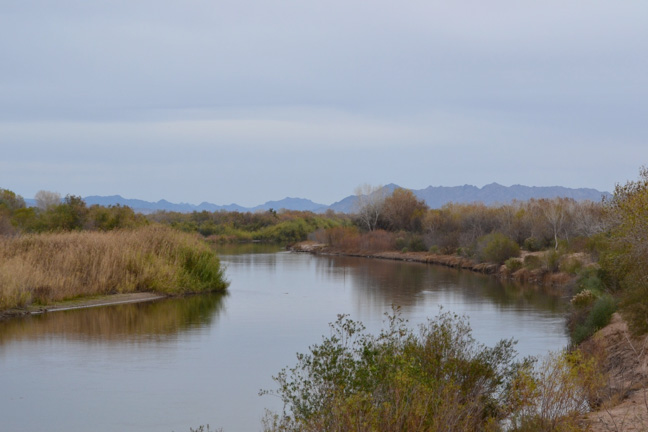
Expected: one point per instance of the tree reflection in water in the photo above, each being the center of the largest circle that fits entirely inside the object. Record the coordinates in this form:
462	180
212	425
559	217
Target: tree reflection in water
153	320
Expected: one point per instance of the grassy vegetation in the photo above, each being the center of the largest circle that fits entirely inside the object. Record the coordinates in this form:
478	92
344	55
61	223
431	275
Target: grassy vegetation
47	267
437	379
283	227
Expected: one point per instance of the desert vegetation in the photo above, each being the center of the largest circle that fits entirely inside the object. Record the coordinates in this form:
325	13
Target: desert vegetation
283	227
436	379
551	241
40	268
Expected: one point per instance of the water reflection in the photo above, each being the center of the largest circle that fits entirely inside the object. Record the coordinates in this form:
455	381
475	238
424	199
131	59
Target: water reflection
156	320
179	363
248	248
409	284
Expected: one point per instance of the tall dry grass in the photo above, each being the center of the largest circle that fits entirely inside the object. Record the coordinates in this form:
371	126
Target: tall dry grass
41	268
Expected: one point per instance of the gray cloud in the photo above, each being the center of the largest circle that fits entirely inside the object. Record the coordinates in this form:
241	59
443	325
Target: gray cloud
198	100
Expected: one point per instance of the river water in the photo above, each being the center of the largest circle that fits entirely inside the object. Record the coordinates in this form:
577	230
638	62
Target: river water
177	364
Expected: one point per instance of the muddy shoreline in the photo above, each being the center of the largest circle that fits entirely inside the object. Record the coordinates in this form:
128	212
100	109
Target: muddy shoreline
541	277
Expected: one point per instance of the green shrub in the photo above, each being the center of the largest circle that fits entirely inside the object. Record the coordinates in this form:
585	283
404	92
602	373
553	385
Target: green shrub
597	317
436	380
552	260
532	262
496	248
583	299
571	265
513	264
533	244
416	243
590	279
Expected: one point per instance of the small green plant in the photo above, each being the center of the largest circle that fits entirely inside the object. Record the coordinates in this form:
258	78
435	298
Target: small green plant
532	262
583	299
532	244
571	265
552	260
597	317
513	264
496	248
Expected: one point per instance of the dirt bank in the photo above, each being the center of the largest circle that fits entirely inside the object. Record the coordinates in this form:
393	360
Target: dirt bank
625	360
95	301
537	276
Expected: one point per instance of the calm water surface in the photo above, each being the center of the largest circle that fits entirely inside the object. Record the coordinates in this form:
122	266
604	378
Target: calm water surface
177	364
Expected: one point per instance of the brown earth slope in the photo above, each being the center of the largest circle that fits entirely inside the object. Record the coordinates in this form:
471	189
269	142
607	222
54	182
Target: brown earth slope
625	359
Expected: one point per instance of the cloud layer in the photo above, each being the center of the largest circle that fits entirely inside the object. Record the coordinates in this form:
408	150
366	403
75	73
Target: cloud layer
249	101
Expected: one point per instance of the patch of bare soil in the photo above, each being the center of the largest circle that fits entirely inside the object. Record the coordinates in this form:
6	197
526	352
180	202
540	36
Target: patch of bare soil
122	298
625	359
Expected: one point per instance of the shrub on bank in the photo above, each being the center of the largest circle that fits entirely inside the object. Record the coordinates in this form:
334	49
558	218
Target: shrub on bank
496	248
437	379
50	267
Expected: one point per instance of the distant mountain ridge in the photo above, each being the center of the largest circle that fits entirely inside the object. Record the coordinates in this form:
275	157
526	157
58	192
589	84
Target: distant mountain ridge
434	196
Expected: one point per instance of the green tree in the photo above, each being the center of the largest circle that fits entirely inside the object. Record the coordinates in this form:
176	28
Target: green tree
10	201
627	258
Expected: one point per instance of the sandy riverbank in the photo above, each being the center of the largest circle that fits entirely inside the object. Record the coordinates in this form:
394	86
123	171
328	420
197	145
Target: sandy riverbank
625	360
94	301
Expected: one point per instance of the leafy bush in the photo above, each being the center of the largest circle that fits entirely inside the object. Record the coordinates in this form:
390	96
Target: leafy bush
513	264
532	262
589	279
438	379
496	248
533	244
571	265
412	242
596	317
583	299
552	260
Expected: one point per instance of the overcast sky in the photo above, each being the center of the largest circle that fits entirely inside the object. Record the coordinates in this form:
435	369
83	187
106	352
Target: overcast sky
249	101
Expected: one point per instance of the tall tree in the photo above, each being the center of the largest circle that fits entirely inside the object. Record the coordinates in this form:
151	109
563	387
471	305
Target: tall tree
369	205
403	211
47	199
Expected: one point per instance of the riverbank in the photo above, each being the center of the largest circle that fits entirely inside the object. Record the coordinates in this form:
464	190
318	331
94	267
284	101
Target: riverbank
624	359
86	302
538	276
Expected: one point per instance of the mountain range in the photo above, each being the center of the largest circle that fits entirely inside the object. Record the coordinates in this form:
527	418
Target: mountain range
434	196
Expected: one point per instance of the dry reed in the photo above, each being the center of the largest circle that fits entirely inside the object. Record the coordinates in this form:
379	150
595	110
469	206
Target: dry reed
42	268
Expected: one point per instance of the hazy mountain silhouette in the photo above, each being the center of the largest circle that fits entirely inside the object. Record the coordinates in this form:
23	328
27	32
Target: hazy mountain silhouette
434	196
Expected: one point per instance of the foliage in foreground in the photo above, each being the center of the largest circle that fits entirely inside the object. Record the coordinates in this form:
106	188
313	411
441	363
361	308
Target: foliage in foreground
626	261
55	266
436	379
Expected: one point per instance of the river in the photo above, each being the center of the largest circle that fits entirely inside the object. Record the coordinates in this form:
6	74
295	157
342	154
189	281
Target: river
177	364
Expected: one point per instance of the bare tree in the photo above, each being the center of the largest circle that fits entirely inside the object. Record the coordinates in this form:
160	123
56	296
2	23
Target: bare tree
369	204
47	199
557	214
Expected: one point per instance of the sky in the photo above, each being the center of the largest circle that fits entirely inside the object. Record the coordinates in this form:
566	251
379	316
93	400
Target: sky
238	101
